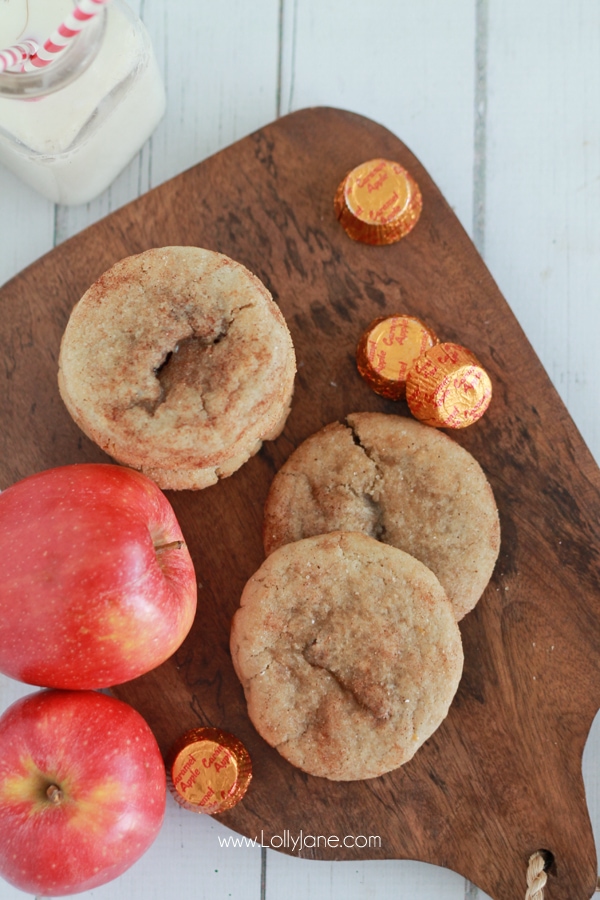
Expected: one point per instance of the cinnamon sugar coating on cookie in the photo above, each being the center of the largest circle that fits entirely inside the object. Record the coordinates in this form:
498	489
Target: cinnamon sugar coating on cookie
179	363
348	652
400	482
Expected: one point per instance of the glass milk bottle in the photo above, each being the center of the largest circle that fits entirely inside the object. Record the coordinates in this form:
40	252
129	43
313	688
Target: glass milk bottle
69	128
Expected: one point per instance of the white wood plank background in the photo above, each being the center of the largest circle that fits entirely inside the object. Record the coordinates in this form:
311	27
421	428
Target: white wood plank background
499	100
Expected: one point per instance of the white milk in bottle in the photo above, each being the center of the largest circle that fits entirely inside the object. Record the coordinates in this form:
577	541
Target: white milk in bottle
70	128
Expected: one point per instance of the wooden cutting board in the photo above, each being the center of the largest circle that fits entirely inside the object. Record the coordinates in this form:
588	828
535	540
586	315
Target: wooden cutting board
501	778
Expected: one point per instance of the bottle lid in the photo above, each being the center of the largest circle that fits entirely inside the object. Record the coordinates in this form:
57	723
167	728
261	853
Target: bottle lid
447	387
208	770
378	202
387	350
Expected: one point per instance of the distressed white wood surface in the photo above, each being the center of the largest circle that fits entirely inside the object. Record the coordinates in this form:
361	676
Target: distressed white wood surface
499	100
542	203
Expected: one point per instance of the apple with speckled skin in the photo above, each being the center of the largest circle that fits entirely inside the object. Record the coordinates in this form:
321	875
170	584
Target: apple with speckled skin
96	583
82	791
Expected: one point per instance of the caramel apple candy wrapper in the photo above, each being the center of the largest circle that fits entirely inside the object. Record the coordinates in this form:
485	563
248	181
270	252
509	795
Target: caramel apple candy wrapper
208	770
447	387
388	348
378	202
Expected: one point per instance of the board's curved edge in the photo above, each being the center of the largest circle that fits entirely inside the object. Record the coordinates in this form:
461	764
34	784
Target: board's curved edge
152	199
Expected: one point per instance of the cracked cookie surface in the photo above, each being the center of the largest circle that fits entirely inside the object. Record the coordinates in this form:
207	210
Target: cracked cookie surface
178	362
349	654
400	482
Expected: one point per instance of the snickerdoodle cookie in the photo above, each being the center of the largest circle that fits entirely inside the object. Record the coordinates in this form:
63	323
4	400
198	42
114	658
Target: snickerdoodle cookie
349	654
401	482
179	363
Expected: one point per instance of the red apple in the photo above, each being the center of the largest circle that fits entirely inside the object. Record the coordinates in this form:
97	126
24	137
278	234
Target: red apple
96	584
82	791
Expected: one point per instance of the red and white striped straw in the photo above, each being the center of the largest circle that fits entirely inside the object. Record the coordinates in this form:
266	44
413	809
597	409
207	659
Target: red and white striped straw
82	15
15	55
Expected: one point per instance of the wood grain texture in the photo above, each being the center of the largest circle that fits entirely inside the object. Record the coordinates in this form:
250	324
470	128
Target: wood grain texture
502	776
219	88
362	880
28	229
543	188
407	65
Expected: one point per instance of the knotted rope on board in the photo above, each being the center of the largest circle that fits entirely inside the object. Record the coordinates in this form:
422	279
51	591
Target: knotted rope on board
536	877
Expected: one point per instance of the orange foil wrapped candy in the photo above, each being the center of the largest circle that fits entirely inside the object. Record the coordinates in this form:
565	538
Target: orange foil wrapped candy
208	770
447	387
378	202
388	348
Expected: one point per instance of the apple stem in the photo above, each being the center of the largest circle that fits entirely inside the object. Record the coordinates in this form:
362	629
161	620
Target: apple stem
54	794
173	545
